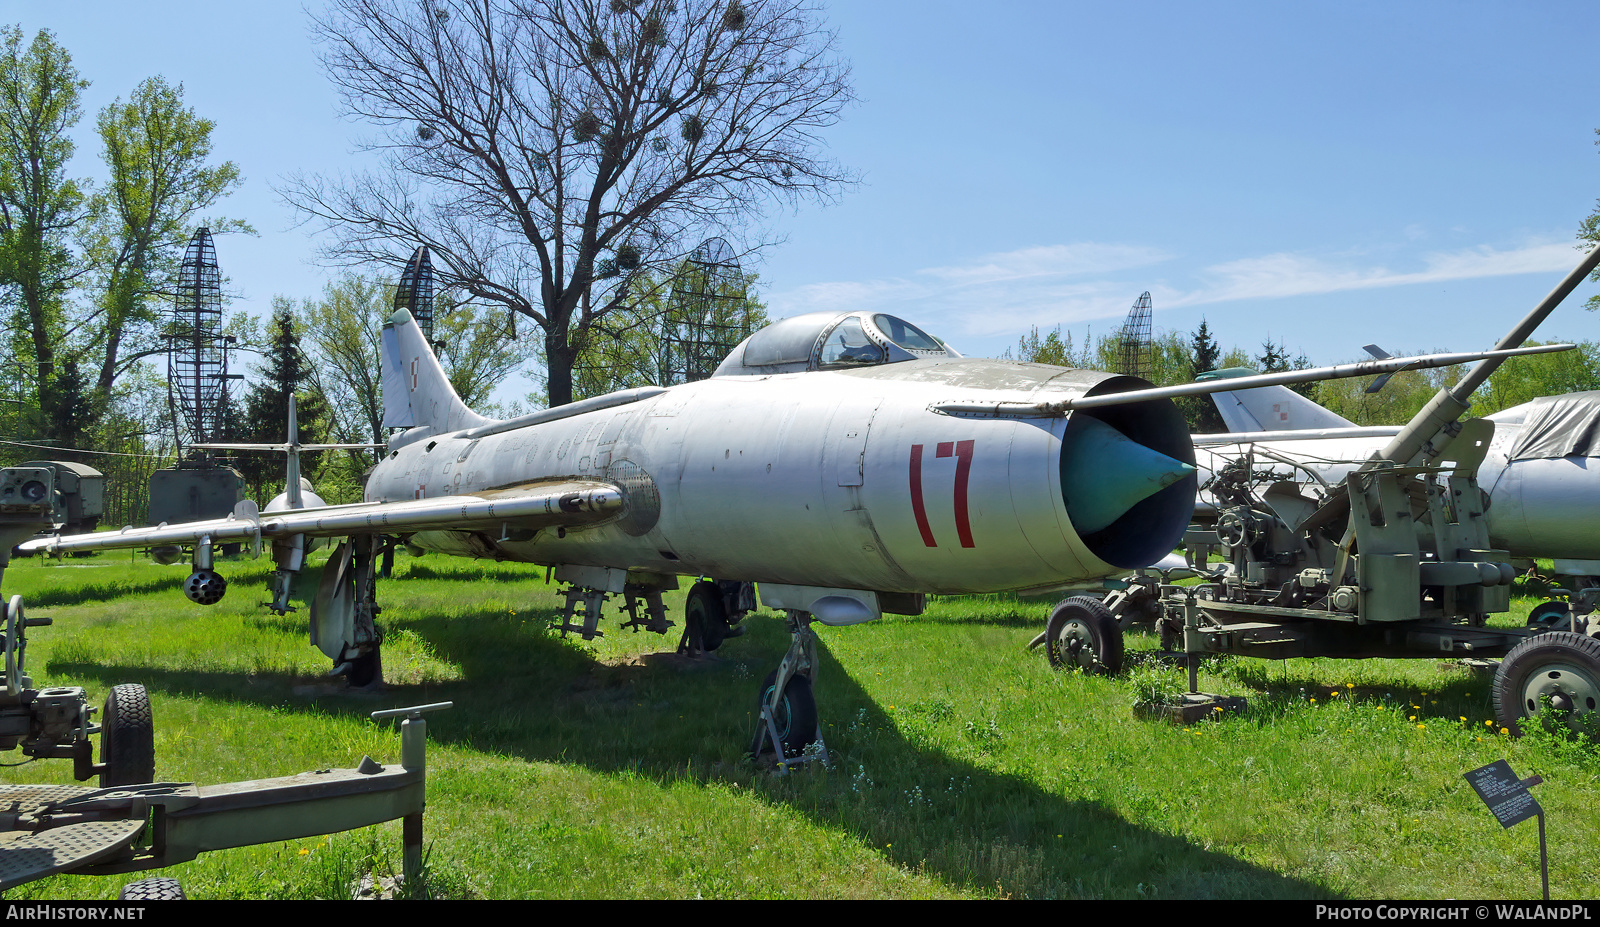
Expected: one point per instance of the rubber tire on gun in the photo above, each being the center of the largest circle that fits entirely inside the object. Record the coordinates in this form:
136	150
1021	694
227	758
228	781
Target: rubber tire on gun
1083	635
1558	667
796	715
127	737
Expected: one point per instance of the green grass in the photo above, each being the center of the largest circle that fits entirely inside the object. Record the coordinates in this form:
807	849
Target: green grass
963	766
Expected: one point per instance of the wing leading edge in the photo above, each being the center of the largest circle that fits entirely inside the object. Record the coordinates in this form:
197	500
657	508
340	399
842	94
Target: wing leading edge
566	503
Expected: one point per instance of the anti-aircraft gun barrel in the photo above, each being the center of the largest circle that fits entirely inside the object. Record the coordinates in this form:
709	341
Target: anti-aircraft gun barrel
1419	438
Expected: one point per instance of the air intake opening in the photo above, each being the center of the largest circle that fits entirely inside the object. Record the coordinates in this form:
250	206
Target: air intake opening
1128	476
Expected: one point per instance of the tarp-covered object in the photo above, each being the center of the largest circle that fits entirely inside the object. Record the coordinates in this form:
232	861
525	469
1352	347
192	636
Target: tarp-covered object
1560	426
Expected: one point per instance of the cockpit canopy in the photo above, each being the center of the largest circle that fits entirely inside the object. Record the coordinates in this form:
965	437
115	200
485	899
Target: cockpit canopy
831	341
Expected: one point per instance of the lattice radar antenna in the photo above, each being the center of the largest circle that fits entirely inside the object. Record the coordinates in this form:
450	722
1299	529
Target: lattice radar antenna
708	314
1134	339
416	290
197	356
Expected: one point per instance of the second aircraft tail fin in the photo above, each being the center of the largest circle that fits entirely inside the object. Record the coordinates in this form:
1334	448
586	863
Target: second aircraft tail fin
1270	408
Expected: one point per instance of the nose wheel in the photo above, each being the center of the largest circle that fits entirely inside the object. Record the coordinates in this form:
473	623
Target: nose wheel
786	711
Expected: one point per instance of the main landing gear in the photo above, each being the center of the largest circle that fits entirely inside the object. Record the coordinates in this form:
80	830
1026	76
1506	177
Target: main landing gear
712	613
344	612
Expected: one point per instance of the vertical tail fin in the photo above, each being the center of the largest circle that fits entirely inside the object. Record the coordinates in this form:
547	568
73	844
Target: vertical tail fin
416	392
1274	408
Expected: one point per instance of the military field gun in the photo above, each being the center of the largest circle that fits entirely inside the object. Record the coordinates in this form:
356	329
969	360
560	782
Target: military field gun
1392	561
129	823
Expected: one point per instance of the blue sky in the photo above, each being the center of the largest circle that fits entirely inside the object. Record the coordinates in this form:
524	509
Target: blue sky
1324	174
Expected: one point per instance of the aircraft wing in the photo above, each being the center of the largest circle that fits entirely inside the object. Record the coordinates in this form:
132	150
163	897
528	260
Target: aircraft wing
564	503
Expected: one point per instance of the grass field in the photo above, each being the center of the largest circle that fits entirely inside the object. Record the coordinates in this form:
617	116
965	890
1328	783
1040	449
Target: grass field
963	766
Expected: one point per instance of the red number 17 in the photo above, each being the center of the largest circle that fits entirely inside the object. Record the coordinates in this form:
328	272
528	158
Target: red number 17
962	451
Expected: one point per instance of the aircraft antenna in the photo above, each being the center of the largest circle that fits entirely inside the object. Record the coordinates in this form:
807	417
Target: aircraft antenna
415	292
707	315
197	352
1135	339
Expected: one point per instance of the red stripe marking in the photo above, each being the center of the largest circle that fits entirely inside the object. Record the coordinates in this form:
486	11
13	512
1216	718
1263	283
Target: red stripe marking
946	448
917	508
963	471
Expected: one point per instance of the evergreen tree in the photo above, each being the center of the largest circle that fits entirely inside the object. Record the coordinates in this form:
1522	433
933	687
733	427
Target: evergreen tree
68	410
266	416
1200	411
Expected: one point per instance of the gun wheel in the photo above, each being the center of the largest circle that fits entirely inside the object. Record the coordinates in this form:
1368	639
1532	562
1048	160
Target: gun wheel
1082	635
1549	615
1560	669
127	737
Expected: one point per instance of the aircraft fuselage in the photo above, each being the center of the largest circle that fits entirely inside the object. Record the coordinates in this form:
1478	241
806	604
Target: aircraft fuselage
839	479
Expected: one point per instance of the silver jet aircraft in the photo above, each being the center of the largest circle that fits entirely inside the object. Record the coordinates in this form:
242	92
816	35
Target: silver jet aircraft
846	462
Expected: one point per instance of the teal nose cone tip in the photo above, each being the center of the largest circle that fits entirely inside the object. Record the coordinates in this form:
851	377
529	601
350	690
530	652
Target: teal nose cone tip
1104	474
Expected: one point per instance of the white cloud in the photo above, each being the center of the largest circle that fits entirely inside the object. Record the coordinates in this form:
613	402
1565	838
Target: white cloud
1000	293
1275	276
1006	294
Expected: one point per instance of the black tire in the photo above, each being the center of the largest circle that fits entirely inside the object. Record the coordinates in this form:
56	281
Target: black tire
127	737
1083	635
1550	615
157	889
365	669
796	715
1559	667
705	616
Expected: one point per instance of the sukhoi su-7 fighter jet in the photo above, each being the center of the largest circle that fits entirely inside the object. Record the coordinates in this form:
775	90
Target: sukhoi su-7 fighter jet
846	464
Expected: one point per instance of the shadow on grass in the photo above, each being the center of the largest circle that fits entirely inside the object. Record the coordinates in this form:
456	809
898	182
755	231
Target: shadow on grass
411	569
527	693
103	591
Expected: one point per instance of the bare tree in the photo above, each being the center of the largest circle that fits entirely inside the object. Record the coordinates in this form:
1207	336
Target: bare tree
549	151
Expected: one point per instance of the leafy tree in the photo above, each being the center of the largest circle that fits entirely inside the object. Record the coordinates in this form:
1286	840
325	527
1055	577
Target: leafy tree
632	346
41	208
1589	234
478	349
1054	348
156	150
549	152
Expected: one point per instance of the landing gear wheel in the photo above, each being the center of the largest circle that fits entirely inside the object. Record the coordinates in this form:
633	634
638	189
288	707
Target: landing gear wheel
704	617
1083	635
127	737
1549	615
365	669
1560	668
796	716
157	889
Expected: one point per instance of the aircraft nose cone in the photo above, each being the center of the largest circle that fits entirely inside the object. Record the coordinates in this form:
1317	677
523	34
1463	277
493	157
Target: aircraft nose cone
1104	474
